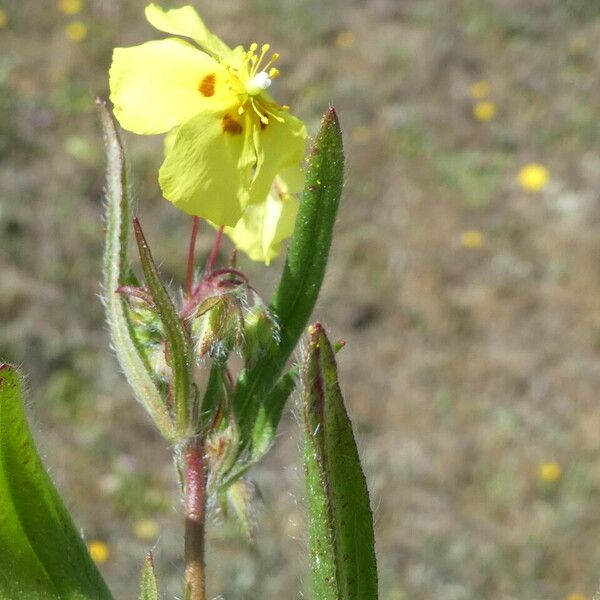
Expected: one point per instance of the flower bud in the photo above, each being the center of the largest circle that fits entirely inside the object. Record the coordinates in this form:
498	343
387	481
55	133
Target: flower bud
243	497
261	330
219	328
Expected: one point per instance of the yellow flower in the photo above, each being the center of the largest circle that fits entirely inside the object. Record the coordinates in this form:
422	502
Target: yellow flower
472	239
76	31
146	530
3	19
533	177
484	111
69	7
345	39
232	137
263	227
98	551
549	472
480	89
576	597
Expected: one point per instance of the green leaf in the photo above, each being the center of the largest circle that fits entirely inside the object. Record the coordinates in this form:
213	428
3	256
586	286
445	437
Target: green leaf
116	272
341	541
41	552
264	429
180	358
148	587
303	273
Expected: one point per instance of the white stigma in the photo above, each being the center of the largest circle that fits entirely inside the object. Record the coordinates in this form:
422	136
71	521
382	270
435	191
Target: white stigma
259	83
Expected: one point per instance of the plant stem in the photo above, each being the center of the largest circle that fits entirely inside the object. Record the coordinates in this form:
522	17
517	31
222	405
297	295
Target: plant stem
195	518
210	263
189	277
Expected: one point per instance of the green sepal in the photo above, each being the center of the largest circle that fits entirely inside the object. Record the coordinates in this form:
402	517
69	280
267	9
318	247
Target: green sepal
116	272
179	351
340	521
148	584
303	272
42	555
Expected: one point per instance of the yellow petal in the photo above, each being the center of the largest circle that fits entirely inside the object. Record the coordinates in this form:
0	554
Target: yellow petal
278	145
207	172
186	21
169	141
291	179
157	85
264	226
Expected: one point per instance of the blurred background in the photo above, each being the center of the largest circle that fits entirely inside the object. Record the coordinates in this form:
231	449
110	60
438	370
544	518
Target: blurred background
465	277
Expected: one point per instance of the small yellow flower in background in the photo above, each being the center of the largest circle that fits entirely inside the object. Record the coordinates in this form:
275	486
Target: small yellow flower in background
3	19
533	177
345	40
480	89
232	138
484	111
76	31
145	530
549	472
98	551
472	239
576	597
69	7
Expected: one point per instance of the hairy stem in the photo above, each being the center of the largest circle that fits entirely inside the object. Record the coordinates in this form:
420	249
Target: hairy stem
189	276
195	519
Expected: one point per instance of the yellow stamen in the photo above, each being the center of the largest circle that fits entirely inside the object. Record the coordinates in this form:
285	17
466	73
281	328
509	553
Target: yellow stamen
263	118
273	73
274	58
275	116
265	48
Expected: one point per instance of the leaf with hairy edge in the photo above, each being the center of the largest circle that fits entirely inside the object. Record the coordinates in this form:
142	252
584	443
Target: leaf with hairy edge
303	273
341	540
41	552
148	587
180	357
116	272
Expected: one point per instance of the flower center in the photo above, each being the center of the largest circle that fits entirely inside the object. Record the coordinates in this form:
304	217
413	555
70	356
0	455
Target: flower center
258	77
259	83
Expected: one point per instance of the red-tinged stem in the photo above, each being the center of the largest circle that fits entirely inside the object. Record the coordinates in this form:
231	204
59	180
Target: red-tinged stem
210	263
189	276
195	519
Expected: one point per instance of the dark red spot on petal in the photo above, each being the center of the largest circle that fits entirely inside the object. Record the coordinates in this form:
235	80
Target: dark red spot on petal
207	85
230	125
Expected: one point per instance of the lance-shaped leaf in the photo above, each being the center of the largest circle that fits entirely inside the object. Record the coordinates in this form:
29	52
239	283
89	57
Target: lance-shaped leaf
41	552
341	541
148	585
179	352
116	273
303	273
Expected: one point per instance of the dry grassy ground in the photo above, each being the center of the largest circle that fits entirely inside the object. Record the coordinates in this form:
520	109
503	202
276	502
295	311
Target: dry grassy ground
466	367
